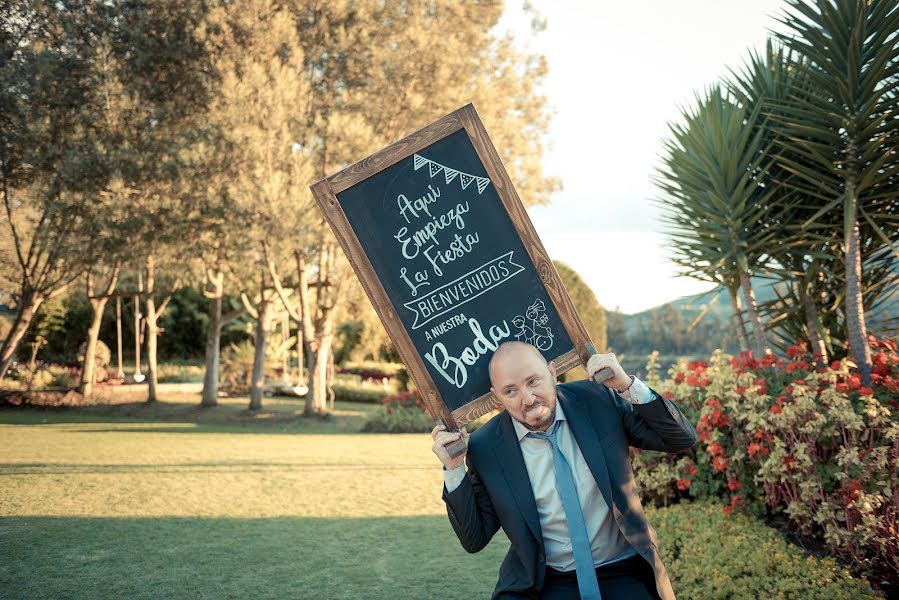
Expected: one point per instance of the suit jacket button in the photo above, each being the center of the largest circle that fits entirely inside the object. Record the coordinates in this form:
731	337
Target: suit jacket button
540	557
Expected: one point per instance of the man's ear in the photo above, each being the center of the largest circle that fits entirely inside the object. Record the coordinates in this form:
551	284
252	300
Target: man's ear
552	368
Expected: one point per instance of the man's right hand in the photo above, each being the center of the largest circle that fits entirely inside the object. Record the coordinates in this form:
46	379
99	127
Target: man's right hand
442	438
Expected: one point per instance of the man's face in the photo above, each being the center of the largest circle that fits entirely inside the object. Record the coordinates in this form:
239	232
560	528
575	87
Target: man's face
526	386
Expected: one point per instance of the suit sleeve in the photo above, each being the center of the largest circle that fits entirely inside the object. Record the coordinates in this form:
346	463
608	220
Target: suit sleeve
656	425
471	512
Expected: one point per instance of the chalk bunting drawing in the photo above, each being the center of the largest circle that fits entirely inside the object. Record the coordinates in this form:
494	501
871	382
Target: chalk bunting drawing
418	161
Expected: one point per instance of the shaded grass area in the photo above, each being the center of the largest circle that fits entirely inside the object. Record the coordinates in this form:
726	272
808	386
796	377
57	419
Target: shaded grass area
122	501
393	557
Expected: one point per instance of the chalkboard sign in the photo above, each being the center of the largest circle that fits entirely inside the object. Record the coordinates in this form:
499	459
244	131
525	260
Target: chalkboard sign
451	262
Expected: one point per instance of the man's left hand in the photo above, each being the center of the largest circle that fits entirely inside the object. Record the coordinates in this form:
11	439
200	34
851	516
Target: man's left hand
619	381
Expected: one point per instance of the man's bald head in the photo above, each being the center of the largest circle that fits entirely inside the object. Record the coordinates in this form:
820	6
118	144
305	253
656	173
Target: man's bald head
509	351
524	383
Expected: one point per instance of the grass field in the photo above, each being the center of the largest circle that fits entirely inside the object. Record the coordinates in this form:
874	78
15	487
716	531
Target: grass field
171	501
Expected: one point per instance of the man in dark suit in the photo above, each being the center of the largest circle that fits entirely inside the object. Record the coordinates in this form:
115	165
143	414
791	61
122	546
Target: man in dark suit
553	471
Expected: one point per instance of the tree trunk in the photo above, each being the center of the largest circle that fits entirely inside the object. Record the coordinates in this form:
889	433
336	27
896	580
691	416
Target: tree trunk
319	358
138	335
855	314
88	375
812	324
301	377
213	338
150	319
29	304
285	358
98	305
213	343
737	318
760	343
120	373
261	340
152	340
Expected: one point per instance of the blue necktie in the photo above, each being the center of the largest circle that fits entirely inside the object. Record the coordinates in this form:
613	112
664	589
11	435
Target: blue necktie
577	529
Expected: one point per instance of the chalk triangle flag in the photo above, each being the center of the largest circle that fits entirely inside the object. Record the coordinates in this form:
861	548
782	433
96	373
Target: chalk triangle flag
466	179
434	167
482	184
419	161
450	174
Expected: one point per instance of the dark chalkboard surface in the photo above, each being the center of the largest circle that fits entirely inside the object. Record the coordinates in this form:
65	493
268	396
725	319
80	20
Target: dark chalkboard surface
452	263
450	268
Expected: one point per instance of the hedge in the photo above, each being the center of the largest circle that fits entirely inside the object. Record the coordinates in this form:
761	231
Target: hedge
710	555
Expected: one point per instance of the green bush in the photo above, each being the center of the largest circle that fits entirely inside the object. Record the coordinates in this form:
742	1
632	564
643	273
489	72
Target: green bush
389	369
40	379
63	379
405	419
401	413
180	373
102	358
355	393
709	555
236	367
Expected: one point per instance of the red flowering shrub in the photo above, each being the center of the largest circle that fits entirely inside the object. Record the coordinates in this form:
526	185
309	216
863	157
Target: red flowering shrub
402	413
366	374
404	400
806	441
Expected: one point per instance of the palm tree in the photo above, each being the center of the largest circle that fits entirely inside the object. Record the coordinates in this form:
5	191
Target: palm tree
838	136
798	259
715	197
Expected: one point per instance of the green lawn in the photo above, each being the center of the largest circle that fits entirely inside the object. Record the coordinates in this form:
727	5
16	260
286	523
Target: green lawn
171	501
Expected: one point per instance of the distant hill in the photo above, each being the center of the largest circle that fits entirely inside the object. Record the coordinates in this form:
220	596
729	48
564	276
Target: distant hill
878	318
675	329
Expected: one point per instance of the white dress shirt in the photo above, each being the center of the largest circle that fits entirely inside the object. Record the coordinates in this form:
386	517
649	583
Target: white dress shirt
606	540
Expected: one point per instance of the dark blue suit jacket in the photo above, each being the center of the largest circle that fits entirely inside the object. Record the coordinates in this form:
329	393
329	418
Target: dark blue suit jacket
496	491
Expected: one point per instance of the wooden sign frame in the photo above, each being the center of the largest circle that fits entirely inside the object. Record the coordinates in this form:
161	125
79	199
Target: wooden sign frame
325	193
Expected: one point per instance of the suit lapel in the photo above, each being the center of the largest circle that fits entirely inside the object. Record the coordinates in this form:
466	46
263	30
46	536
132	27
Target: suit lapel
585	433
508	455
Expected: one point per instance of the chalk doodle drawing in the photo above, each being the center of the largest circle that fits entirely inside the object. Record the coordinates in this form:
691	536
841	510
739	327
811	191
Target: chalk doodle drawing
532	326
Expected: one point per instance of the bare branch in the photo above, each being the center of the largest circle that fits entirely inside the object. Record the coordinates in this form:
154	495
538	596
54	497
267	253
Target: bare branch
303	290
165	303
283	295
251	310
234	315
90	283
15	235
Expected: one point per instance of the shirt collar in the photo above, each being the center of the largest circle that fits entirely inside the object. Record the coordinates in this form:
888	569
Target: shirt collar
521	431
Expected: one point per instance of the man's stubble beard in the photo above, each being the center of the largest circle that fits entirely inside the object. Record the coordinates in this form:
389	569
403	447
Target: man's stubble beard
549	419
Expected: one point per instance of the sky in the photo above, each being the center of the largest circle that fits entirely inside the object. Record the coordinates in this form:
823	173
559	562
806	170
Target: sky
619	72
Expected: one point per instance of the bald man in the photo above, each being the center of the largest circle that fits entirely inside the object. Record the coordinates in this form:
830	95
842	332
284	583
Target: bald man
553	471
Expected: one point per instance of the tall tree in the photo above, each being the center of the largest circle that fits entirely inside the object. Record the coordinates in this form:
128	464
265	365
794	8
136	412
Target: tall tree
381	70
49	172
714	197
155	63
764	83
369	72
840	139
261	86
